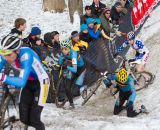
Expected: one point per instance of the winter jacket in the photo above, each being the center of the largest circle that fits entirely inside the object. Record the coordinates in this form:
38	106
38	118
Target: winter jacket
85	37
106	24
93	34
97	10
16	32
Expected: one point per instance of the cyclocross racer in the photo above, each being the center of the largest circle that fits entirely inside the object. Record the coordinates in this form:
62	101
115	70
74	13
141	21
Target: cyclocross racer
32	80
75	65
142	53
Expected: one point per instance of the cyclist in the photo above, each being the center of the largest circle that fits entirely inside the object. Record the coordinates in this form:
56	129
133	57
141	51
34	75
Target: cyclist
74	65
126	87
142	52
32	80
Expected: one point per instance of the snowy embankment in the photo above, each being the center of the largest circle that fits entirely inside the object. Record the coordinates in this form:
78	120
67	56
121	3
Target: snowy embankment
97	113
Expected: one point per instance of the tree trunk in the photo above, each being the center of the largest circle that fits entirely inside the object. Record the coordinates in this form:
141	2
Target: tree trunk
75	5
56	5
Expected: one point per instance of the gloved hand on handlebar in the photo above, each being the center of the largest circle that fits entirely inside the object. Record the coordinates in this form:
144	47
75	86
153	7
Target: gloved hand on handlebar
107	83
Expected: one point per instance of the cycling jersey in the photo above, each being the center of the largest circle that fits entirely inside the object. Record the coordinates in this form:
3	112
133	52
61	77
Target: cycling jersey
30	67
127	87
141	50
73	57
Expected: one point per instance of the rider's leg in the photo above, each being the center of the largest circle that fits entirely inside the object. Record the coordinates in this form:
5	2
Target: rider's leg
35	117
68	84
119	104
26	98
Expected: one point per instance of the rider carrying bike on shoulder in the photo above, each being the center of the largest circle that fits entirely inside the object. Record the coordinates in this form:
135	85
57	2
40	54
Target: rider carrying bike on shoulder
127	92
75	66
142	52
32	80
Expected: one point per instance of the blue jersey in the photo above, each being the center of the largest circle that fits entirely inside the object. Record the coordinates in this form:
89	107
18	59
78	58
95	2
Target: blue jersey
29	65
76	61
128	86
141	50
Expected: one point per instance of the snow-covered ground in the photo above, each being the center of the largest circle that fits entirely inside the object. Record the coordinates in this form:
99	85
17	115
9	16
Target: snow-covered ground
97	113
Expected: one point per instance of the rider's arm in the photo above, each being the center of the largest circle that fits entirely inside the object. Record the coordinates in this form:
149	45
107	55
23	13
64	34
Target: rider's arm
133	95
2	63
26	64
111	77
60	60
121	48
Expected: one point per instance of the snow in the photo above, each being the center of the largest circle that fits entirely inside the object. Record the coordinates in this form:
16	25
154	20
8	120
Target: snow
97	113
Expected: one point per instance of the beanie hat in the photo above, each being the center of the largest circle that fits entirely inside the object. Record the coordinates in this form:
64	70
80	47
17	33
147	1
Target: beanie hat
74	34
90	20
88	7
83	27
35	31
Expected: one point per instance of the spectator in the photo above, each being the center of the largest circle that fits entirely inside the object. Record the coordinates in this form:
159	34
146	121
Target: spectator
97	26
20	26
107	24
34	40
116	12
91	31
84	35
97	7
88	14
127	3
78	45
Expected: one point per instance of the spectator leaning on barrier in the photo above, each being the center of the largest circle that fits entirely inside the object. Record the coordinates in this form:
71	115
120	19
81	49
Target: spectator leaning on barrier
107	24
116	12
97	7
97	26
20	26
91	30
88	14
84	35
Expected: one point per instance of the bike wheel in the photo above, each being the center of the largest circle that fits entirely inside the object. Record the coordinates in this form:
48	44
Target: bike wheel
7	113
143	79
92	91
59	94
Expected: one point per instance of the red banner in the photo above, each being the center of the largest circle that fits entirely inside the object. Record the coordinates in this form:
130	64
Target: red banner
142	9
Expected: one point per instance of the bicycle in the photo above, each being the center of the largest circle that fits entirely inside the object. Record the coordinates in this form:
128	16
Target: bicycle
8	118
140	79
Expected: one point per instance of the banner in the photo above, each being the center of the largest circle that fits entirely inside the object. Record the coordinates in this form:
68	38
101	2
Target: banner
141	10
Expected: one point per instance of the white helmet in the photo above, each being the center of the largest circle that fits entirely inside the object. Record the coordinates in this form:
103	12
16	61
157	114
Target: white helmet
9	44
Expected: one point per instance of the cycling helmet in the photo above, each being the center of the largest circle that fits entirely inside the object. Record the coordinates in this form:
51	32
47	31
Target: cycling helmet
122	75
9	44
66	43
131	36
